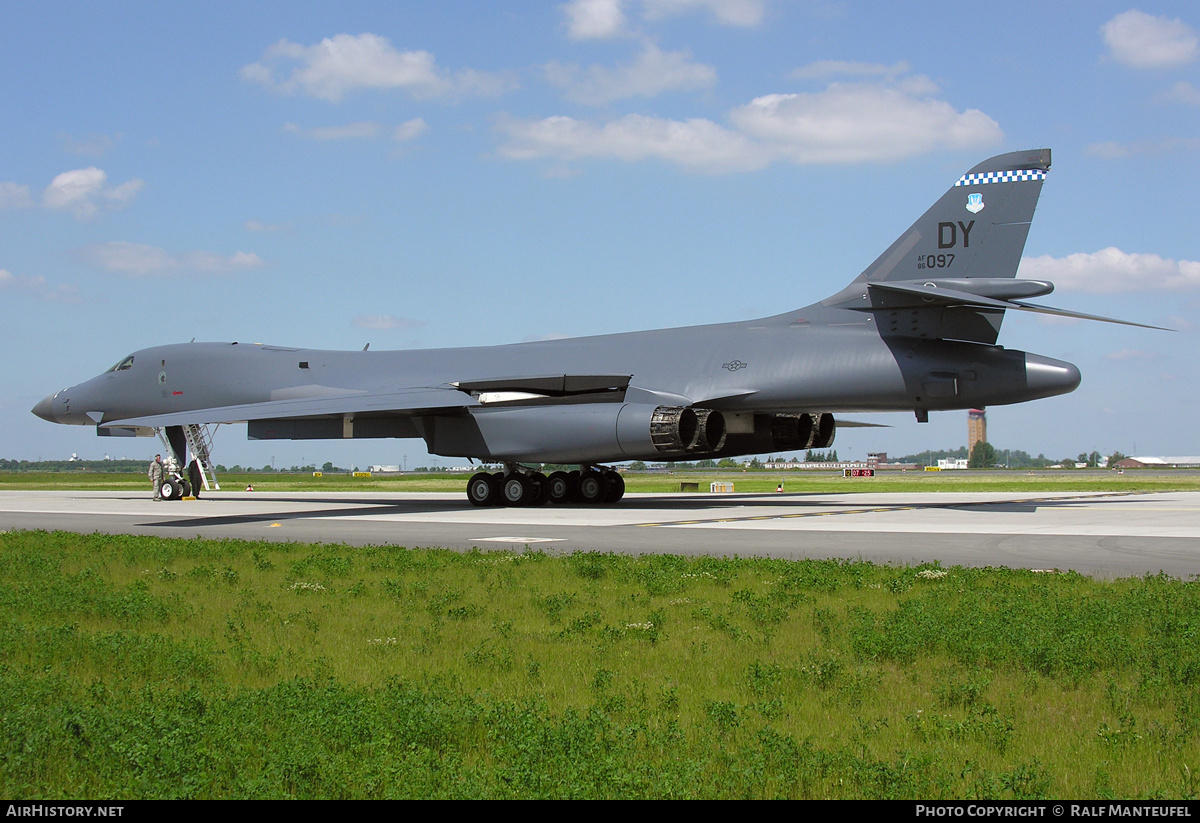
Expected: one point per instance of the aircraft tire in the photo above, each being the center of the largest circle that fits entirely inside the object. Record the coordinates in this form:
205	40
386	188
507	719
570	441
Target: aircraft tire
185	489
169	490
559	487
616	487
481	491
593	486
541	489
498	489
517	490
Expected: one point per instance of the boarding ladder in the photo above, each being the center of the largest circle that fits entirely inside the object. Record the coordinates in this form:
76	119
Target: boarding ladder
199	443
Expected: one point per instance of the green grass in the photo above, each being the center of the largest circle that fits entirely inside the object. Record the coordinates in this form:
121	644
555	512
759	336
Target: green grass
142	667
662	482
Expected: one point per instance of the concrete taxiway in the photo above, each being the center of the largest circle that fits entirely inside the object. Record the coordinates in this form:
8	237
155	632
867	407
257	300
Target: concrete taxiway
1103	534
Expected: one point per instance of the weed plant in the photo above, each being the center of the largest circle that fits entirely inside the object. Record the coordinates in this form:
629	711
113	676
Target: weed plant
137	667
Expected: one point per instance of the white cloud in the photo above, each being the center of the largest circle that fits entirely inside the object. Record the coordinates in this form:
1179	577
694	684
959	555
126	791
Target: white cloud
855	123
39	288
350	131
651	73
125	192
386	322
1112	270
727	12
594	19
94	144
1142	41
410	129
845	123
14	196
697	144
78	191
1178	322
137	260
607	19
345	63
1182	92
75	190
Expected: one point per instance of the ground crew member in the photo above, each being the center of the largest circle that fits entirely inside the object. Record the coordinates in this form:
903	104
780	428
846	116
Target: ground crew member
156	476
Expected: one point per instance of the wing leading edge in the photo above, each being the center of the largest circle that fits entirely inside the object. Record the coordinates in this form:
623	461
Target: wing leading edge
404	401
537	389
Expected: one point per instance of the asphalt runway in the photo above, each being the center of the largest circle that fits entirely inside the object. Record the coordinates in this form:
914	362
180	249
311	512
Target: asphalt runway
1101	534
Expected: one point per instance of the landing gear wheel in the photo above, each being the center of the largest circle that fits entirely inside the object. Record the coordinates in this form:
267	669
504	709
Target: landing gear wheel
185	489
593	486
481	491
518	490
559	487
616	487
541	491
169	490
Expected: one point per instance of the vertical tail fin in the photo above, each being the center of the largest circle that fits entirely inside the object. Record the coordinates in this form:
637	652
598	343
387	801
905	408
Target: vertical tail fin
976	229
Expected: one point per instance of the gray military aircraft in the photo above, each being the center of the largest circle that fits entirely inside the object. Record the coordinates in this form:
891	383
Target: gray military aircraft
916	331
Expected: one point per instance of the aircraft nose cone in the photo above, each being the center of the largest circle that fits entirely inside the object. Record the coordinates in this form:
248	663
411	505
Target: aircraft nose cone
1047	377
44	408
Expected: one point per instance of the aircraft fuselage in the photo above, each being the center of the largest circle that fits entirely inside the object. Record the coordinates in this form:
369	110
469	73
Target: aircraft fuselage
834	362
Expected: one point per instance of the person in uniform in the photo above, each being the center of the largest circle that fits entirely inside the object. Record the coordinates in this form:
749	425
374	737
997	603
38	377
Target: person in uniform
156	476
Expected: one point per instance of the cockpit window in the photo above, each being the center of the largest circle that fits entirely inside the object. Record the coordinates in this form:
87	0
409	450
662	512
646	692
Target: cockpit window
124	365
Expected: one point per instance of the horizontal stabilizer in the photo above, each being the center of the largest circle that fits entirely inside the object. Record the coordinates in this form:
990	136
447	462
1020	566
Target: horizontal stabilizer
929	294
1081	316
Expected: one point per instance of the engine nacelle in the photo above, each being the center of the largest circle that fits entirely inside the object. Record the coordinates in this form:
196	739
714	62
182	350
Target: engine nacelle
675	430
824	429
576	433
764	433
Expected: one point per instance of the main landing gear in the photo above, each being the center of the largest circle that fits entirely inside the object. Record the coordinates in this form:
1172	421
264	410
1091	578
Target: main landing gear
519	486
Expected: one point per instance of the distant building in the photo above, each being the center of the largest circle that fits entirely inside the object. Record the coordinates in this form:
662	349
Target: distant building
875	460
976	428
1175	462
879	460
952	464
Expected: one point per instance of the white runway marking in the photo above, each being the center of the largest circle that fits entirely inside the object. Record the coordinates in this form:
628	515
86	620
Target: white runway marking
518	539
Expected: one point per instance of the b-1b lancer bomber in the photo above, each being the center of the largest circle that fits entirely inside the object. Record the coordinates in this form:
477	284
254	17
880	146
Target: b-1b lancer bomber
916	331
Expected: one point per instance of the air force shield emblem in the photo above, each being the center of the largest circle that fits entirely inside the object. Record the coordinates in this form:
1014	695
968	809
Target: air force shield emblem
975	202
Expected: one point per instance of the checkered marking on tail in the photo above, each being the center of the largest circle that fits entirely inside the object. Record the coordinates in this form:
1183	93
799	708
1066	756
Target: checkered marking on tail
1012	176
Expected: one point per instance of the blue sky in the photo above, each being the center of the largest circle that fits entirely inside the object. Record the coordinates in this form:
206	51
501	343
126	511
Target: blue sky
465	173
